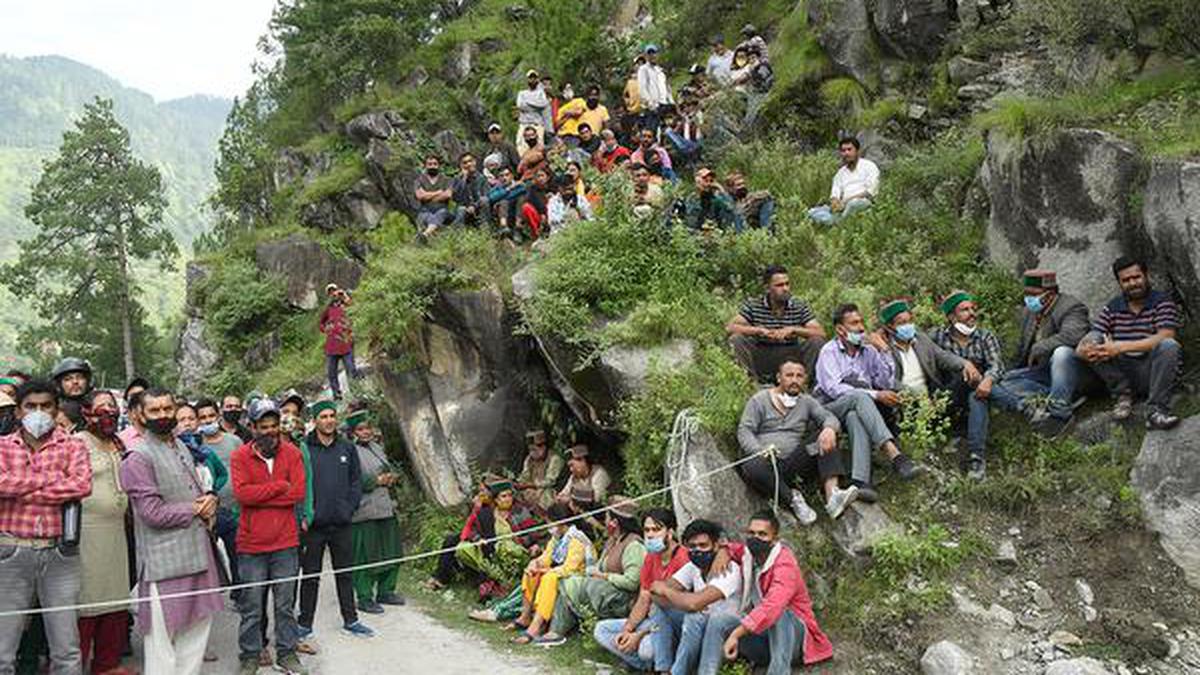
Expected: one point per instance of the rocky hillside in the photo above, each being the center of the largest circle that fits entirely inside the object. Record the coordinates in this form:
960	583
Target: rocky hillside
1058	133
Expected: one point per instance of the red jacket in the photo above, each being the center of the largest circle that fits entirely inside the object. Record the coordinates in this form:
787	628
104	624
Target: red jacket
336	326
782	586
268	497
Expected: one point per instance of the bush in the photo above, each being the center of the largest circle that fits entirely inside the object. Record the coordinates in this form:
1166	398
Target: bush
239	302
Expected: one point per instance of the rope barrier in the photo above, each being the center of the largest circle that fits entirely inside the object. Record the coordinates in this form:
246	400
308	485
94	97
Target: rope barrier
127	602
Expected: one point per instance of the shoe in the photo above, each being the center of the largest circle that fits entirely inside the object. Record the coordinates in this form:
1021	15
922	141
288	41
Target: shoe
553	641
391	599
290	664
248	667
1158	420
866	493
370	607
905	468
839	500
976	469
1124	408
1052	427
484	615
357	629
303	632
264	658
803	511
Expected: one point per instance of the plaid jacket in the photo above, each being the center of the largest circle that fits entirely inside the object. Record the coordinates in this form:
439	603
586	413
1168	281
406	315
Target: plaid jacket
35	485
982	349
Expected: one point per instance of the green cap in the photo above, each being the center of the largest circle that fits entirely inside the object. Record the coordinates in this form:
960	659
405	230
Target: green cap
955	299
357	417
893	309
317	407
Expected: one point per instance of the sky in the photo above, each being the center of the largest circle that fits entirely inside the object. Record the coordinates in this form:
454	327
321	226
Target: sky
166	48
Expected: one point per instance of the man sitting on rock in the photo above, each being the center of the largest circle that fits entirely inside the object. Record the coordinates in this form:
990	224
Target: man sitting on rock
649	152
754	208
584	476
775	327
856	379
433	195
784	418
498	146
540	471
647	194
1052	324
854	185
470	190
710	208
1132	345
965	339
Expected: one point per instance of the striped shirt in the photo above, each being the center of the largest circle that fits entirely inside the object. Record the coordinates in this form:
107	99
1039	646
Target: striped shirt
982	349
757	312
1120	322
35	485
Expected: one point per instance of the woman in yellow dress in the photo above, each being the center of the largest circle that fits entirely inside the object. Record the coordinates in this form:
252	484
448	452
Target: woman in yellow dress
568	553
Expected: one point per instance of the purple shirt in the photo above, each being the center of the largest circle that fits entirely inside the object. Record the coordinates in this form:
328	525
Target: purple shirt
137	477
839	373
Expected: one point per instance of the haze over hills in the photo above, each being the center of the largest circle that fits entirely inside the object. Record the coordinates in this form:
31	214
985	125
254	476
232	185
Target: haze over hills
40	97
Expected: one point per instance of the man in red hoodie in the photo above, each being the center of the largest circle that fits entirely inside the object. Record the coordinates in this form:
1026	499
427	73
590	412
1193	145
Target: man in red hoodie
339	338
268	482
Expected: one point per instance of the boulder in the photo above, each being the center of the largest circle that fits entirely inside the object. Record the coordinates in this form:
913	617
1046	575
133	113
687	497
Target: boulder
1171	213
461	395
194	275
861	526
451	146
962	69
1081	666
305	267
195	356
368	126
1061	202
294	168
843	29
723	496
946	658
628	367
460	62
263	351
365	203
913	29
1166	476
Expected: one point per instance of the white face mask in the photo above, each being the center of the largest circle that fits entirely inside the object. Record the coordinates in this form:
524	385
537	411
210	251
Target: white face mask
37	423
964	328
788	400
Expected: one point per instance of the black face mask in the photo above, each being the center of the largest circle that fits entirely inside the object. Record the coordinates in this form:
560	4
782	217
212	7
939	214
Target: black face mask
231	416
702	559
8	422
433	171
161	426
531	142
759	549
267	445
592	103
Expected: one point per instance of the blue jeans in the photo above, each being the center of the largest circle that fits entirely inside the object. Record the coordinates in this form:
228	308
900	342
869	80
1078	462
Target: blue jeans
331	369
964	402
656	650
702	643
1056	378
778	647
252	567
824	215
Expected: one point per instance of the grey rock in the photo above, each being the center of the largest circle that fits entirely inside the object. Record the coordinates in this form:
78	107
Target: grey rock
195	356
995	613
417	77
1042	598
843	29
365	203
913	29
861	527
1166	476
1006	553
460	62
1065	639
1171	214
1061	202
450	144
946	658
263	352
981	91
1080	666
368	126
722	497
1084	590
305	268
916	111
962	69
629	366
194	276
1090	614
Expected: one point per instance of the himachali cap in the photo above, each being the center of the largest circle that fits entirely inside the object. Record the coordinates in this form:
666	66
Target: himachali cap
494	127
531	73
357	417
622	506
1039	279
955	299
894	308
317	407
6	401
496	484
535	435
577	452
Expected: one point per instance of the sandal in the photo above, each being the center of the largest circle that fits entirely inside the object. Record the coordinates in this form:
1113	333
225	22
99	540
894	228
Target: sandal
524	638
516	625
549	640
432	584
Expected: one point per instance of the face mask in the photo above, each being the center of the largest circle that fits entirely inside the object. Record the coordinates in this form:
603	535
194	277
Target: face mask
702	559
855	338
210	429
656	544
593	102
788	400
433	171
8	423
964	328
1033	303
161	426
103	423
267	445
37	423
905	332
231	416
610	527
759	549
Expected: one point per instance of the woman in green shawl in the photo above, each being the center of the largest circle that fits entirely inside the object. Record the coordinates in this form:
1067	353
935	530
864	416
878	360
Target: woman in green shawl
376	532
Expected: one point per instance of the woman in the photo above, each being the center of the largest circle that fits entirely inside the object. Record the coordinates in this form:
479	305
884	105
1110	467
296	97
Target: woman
104	552
210	471
568	554
584	475
490	518
376	532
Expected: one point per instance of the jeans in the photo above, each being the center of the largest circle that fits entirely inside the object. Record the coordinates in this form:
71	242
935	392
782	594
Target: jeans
778	647
702	643
340	542
283	565
865	426
1056	379
476	219
54	579
1152	375
824	215
433	219
226	530
656	651
964	402
760	474
762	359
331	369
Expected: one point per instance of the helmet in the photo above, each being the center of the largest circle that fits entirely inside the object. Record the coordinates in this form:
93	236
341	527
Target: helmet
71	364
262	407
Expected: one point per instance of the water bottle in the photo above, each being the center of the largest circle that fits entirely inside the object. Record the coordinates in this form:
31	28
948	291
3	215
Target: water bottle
72	516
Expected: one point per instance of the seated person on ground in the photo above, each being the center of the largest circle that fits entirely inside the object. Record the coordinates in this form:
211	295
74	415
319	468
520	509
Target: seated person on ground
854	185
505	199
649	152
567	554
540	472
754	208
566	205
775	327
583	473
532	211
778	628
709	600
583	500
966	340
487	562
686	149
720	62
646	639
647	195
790	421
433	197
1047	371
710	208
589	143
470	190
856	378
498	146
1132	345
605	157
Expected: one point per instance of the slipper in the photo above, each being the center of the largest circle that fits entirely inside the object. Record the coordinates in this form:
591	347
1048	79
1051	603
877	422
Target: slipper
516	625
545	641
524	638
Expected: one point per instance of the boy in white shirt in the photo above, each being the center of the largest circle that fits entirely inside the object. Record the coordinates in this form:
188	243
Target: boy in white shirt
854	185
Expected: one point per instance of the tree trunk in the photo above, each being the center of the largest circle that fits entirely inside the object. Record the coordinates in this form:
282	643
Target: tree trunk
126	320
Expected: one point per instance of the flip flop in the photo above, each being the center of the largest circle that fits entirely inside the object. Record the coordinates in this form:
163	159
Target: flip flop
516	625
544	641
524	638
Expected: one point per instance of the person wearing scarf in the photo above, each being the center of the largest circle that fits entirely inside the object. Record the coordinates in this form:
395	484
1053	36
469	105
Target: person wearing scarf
568	553
210	471
376	532
489	519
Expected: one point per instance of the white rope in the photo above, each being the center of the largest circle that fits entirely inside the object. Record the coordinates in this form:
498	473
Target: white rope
125	602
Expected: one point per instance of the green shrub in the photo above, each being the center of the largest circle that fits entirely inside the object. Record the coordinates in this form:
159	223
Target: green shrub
239	302
346	171
843	96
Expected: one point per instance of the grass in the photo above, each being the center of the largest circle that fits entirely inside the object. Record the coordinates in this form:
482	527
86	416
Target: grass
347	169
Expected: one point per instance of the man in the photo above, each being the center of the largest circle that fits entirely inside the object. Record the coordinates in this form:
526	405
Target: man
610	150
540	471
268	483
132	434
578	111
136	386
710	208
8	387
684	146
654	90
646	639
433	194
291	415
533	154
336	492
583	474
704	596
1052	324
782	418
504	199
339	341
41	470
697	88
720	62
755	209
777	628
632	97
550	116
966	340
1132	345
775	327
855	185
172	516
232	412
565	206
647	195
649	149
855	381
470	190
73	377
8	413
589	141
498	146
532	109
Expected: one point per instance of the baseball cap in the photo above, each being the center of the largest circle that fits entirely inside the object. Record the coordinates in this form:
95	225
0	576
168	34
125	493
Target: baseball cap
494	127
261	407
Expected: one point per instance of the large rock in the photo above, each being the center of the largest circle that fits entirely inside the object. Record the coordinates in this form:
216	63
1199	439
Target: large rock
723	496
914	29
861	526
1171	213
1081	666
1166	475
305	267
628	367
460	62
195	356
843	29
373	125
462	398
1061	202
946	658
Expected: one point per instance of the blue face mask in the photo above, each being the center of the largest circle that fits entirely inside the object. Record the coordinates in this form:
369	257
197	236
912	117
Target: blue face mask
905	332
1034	303
209	429
656	544
855	338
